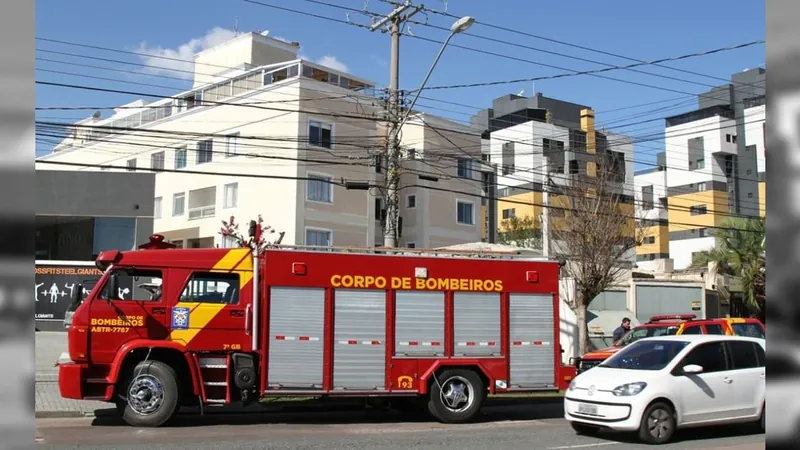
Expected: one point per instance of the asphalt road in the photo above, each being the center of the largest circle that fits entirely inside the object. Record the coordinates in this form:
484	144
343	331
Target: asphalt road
525	427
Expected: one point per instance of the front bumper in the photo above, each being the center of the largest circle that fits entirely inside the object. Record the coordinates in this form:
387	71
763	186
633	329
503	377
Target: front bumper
70	380
614	414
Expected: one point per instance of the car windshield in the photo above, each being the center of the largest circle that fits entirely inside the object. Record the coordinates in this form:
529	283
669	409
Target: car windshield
645	355
748	329
643	332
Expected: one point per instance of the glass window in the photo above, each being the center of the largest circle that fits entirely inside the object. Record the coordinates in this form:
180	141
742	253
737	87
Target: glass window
204	151
748	330
208	287
643	332
645	355
743	354
465	213
715	329
157	161
157	208
319	189
711	357
411	201
318	238
128	284
230	195
319	134
178	204
694	329
232	145
180	158
464	168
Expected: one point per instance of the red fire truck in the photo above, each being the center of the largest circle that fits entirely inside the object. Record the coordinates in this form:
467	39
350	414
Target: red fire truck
167	327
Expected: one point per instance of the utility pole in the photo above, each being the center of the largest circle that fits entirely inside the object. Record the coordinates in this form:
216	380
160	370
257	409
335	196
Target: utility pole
396	18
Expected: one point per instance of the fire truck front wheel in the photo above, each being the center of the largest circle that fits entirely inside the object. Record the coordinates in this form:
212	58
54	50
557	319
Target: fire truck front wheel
456	396
152	395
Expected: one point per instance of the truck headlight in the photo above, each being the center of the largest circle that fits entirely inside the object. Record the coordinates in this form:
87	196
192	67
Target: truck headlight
629	389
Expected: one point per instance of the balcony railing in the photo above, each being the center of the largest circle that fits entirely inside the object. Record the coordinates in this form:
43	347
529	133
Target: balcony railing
202	212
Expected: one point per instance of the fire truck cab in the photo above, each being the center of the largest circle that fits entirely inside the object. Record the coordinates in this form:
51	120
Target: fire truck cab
167	327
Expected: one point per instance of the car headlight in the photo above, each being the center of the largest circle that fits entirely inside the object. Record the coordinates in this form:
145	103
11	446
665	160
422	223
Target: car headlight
572	385
629	389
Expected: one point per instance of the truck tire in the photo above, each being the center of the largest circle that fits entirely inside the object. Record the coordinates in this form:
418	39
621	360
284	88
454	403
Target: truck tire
152	395
460	397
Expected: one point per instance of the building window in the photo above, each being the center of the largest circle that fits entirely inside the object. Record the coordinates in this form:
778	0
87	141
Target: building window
320	134
701	164
157	161
205	151
698	210
411	201
650	240
574	167
701	186
318	238
178	204
202	203
411	245
131	165
647	197
733	138
231	145
378	208
509	213
319	189
411	153
157	208
229	242
749	195
728	137
702	232
378	163
465	213
230	195
465	168
180	158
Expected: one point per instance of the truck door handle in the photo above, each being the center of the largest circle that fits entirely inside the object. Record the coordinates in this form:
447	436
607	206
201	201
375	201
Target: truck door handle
159	311
237	313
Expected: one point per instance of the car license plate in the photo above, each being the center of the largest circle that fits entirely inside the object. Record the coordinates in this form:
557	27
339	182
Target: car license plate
584	408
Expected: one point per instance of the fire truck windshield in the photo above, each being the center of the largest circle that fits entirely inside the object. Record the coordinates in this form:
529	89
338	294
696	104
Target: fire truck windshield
643	332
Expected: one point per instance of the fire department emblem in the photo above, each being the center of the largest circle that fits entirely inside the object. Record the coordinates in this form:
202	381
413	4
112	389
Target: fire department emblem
180	318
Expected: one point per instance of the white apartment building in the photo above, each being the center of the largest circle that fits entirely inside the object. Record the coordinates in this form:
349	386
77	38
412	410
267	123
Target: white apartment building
651	209
263	132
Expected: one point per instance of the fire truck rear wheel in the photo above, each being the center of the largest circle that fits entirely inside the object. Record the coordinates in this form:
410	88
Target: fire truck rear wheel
460	397
152	395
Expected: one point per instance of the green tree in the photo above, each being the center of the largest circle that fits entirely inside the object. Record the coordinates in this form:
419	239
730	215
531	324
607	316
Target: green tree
520	232
740	251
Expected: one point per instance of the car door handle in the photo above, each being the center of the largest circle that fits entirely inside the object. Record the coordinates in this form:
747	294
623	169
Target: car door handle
159	311
727	380
237	313
763	375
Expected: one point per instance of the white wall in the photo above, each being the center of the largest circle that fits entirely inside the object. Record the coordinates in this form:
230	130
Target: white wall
754	132
681	250
659	182
713	131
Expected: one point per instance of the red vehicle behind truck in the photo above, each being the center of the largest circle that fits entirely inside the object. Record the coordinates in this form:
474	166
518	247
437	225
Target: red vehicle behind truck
222	326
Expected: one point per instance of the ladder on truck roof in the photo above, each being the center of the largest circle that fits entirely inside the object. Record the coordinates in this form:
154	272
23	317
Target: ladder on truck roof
417	252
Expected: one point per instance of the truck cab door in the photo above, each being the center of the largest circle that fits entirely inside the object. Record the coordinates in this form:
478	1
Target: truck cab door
128	306
213	311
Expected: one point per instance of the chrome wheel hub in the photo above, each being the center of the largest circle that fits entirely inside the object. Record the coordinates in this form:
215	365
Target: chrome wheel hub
457	394
145	394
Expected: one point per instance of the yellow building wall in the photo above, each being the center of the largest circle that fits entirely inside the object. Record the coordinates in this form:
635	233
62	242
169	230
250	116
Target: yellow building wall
661	245
762	198
680	217
524	204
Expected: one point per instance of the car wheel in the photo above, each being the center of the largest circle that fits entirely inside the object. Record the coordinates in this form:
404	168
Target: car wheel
583	429
152	395
658	424
456	396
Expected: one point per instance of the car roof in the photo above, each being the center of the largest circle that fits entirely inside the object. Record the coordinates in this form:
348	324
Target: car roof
701	338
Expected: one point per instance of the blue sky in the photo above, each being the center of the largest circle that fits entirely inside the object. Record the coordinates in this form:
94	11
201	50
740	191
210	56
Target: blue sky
638	29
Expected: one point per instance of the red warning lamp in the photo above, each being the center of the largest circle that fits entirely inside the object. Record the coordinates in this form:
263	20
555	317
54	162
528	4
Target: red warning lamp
157	242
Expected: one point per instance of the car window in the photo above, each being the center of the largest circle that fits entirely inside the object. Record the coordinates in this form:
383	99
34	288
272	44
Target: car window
762	356
743	354
694	329
748	329
645	355
714	328
710	356
643	332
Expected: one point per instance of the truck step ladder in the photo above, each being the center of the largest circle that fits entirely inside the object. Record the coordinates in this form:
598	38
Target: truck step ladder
215	377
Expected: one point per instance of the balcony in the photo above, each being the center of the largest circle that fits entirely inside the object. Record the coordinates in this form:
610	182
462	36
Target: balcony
202	203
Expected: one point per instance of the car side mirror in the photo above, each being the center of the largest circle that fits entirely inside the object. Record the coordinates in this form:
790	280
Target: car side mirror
692	369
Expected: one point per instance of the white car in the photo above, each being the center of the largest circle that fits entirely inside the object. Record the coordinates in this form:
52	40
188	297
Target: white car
657	385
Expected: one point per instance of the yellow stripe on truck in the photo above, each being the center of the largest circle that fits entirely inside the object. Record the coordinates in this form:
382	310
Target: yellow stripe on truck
201	314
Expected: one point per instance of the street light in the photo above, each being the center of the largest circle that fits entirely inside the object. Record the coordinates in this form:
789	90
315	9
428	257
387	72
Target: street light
459	26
